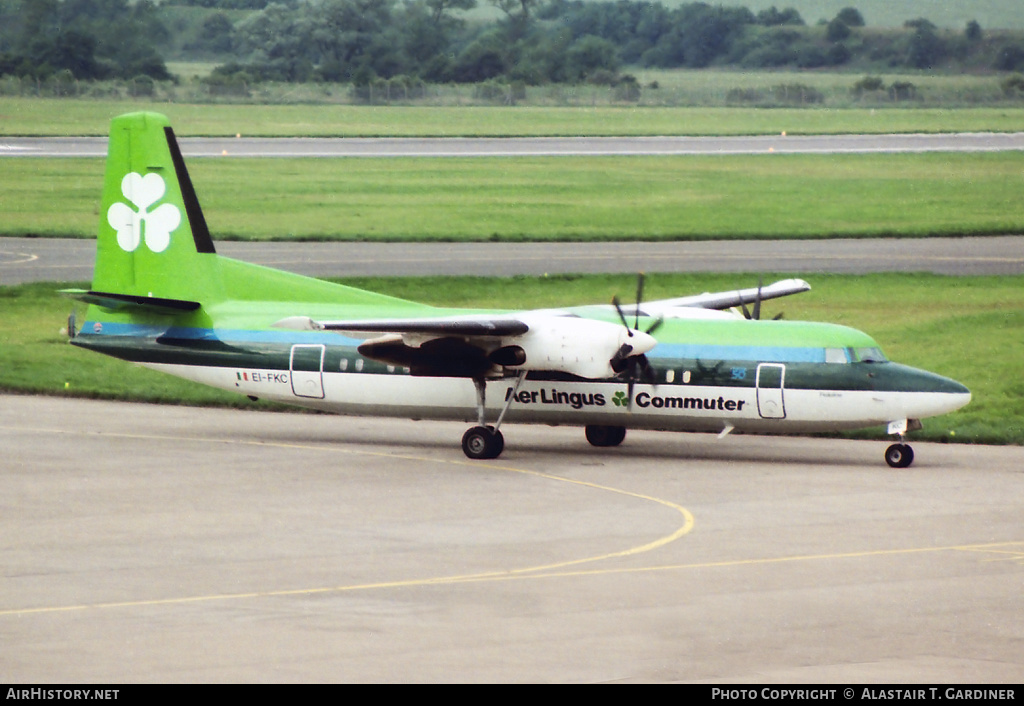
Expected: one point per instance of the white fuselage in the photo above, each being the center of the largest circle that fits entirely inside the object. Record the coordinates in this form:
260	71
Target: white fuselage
676	407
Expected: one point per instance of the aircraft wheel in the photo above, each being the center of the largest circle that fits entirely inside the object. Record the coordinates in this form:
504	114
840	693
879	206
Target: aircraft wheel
602	435
899	455
482	443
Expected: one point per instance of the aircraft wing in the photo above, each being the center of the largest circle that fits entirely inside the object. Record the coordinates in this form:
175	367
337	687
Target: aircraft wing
717	300
479	345
431	326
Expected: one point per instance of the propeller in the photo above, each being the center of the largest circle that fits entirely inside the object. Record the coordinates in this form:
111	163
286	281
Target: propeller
72	329
634	367
756	315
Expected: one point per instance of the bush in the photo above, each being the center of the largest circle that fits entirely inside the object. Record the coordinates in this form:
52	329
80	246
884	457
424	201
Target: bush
902	91
478	63
926	49
868	84
1010	58
768	57
406	87
744	95
590	55
972	32
603	77
231	82
142	86
627	89
851	17
837	30
837	55
811	57
796	94
1013	86
772	17
498	92
63	84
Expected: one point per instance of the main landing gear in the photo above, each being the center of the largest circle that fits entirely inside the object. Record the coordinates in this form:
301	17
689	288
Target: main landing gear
484	442
604	436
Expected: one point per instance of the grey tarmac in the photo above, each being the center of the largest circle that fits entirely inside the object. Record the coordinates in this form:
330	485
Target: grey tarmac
170	544
68	260
531	146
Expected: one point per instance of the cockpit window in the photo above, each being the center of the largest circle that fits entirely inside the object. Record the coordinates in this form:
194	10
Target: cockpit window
836	355
868	355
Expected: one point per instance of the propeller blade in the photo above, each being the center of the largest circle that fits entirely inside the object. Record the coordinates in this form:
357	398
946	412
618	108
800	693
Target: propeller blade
639	298
622	316
647	371
757	301
627	366
619	361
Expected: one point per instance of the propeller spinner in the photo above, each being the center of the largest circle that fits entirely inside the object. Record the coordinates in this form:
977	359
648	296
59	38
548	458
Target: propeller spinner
630	361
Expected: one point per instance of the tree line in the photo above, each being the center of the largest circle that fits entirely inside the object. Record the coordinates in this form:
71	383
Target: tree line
86	39
532	42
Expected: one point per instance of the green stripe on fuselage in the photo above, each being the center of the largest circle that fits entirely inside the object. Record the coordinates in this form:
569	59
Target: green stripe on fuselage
270	349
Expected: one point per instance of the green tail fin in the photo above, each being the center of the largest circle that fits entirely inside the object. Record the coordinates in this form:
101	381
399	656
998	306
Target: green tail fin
153	240
154	252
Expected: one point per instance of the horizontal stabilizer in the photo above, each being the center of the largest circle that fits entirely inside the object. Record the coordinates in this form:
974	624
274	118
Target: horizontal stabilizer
110	300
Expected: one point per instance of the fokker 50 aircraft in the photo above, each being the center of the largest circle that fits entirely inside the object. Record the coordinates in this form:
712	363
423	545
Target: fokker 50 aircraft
162	297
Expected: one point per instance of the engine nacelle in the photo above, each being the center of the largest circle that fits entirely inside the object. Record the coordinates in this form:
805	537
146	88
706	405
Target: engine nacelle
508	356
567	344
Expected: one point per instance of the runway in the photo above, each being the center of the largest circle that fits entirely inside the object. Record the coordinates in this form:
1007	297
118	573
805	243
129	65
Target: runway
530	146
54	259
168	544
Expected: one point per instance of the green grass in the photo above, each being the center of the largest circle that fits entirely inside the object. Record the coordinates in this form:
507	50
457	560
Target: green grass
556	198
36	357
968	328
55	117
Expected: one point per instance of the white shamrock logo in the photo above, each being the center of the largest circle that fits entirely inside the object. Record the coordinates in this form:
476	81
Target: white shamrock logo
143	191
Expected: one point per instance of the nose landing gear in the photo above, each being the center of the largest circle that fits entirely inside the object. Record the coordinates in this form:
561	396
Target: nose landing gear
899	455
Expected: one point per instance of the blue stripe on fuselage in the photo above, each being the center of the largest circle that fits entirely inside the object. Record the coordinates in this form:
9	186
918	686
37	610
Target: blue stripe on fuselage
772	354
209	334
663	351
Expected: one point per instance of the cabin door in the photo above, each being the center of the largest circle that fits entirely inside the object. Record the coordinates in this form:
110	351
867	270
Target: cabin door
307	370
771	379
